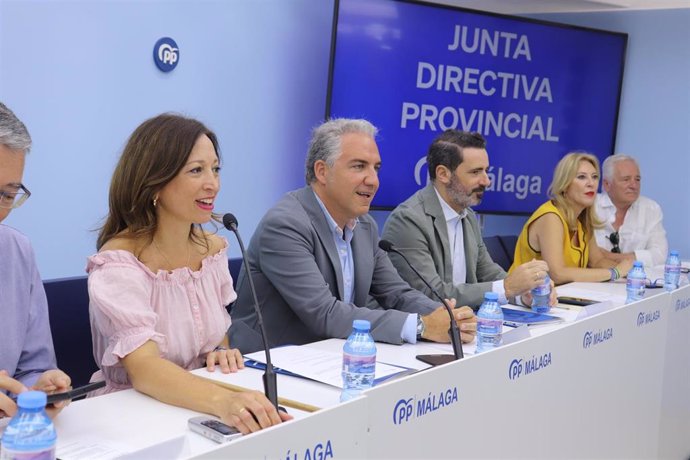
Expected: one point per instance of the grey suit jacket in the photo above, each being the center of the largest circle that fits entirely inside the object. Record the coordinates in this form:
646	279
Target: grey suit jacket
417	227
299	282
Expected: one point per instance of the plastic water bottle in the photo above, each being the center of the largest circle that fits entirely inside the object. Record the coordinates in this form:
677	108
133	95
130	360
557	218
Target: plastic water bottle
359	360
672	271
636	283
489	323
541	295
30	435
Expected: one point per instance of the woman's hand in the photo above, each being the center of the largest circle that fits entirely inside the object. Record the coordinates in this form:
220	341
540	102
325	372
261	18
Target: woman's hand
624	267
250	411
230	360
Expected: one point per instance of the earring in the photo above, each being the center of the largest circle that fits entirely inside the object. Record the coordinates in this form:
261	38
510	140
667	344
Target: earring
155	202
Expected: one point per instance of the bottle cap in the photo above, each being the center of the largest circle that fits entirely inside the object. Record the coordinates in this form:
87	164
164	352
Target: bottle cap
32	400
493	296
361	324
637	263
674	253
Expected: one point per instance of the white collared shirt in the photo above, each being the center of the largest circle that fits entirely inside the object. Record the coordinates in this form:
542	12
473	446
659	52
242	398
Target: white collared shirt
456	239
642	231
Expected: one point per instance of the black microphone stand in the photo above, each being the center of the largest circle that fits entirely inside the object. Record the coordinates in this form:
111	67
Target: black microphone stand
269	377
454	331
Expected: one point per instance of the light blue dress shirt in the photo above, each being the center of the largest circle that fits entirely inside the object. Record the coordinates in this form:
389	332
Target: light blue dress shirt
343	243
26	345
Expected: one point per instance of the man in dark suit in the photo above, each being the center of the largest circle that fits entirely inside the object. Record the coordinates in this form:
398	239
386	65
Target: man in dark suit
315	258
438	231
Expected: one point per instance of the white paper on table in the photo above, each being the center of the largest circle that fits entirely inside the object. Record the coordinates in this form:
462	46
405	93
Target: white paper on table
571	290
320	365
89	448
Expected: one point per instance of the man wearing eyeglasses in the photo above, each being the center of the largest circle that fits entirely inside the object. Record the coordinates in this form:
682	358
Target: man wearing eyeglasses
633	226
27	357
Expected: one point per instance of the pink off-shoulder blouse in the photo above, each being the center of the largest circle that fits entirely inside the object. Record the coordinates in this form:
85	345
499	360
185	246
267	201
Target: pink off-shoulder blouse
183	311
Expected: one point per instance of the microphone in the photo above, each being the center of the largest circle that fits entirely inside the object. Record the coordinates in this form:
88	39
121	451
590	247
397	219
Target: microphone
270	381
454	331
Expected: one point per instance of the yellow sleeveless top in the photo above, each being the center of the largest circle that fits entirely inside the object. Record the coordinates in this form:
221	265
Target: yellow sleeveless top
574	256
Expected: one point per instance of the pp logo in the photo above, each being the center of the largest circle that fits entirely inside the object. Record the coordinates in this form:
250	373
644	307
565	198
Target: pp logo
166	54
587	340
515	369
418	169
402	411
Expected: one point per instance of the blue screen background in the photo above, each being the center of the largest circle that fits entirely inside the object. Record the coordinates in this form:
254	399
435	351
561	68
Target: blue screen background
379	44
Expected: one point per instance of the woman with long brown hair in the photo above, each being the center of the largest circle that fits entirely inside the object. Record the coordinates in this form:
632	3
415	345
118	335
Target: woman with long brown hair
561	231
159	283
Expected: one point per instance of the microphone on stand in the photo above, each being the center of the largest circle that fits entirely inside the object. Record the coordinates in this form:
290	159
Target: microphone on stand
270	381
454	331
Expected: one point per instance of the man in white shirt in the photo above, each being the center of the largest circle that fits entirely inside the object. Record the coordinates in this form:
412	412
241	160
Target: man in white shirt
633	225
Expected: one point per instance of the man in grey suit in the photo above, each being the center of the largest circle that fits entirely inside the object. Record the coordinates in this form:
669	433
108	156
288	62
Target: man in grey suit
439	233
315	258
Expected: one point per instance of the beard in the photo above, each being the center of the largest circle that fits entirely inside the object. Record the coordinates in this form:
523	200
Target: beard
459	195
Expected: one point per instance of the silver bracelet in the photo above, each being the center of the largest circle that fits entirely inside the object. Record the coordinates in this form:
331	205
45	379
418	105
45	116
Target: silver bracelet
219	348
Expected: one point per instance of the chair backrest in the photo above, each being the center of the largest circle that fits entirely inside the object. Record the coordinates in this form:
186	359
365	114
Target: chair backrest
497	252
68	308
235	265
509	242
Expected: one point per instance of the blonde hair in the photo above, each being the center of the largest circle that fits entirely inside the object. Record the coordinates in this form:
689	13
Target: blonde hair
563	176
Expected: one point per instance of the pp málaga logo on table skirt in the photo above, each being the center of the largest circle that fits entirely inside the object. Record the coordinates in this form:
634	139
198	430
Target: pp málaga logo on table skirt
404	409
524	366
592	338
166	54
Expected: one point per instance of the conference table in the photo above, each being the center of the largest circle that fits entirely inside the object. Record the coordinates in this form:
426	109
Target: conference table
610	381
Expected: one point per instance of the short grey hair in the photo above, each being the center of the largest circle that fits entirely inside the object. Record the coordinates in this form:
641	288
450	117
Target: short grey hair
610	162
13	133
325	141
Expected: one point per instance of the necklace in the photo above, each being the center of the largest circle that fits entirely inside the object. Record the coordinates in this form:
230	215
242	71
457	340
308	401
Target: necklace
189	254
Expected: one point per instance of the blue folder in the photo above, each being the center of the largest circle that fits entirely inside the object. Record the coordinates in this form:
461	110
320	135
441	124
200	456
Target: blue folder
513	317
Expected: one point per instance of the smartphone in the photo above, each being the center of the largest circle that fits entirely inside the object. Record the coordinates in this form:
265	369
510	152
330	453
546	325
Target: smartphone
71	394
75	392
576	301
213	429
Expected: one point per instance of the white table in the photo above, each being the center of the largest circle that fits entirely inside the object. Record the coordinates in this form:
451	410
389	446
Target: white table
614	385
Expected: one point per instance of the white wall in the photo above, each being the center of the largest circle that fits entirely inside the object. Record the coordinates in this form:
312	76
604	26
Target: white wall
80	74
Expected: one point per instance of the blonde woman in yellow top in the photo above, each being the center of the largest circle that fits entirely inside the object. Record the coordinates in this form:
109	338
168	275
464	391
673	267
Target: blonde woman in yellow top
561	231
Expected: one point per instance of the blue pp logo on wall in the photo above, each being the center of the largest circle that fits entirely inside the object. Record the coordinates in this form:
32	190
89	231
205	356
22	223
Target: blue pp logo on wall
166	54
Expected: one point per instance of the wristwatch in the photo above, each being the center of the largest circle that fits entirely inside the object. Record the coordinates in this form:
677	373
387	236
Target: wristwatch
420	327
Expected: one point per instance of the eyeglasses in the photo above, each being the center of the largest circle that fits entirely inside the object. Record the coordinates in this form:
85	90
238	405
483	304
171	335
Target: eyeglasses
613	238
12	200
657	283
